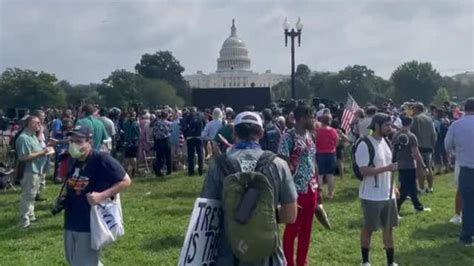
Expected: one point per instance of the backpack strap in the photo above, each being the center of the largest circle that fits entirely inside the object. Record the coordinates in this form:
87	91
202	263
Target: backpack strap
265	160
227	165
371	149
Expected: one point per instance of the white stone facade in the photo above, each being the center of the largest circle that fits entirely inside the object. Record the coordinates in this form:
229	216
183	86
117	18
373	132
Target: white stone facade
233	69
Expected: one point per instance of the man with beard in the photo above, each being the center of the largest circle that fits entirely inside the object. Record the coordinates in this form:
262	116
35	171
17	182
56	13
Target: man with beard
376	189
299	149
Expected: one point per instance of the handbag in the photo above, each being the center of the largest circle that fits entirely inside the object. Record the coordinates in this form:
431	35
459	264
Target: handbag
106	223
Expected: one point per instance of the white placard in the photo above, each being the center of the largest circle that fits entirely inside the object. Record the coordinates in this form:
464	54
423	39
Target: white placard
201	242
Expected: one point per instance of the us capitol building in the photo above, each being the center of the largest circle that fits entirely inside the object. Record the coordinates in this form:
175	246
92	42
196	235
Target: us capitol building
233	68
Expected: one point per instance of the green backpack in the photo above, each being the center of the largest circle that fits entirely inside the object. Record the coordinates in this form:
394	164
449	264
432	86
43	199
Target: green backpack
249	209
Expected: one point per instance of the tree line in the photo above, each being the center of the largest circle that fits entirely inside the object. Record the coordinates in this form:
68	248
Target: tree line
411	80
158	80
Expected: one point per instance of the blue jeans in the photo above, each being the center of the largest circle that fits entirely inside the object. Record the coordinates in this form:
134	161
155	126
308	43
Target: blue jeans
466	187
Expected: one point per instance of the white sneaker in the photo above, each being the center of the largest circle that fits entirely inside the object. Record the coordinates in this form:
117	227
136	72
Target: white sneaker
394	264
365	264
457	219
25	225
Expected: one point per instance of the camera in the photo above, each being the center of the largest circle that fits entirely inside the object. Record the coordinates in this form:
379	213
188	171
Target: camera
59	205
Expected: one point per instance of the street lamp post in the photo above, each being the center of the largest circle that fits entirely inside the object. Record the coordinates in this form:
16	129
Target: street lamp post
292	34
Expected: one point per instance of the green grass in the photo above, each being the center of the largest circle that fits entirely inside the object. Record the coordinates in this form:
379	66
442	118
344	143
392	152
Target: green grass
157	213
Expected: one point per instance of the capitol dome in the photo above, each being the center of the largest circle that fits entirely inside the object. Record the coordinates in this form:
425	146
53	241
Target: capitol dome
233	54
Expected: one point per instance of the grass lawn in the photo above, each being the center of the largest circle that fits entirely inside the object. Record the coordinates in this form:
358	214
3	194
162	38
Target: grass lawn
157	213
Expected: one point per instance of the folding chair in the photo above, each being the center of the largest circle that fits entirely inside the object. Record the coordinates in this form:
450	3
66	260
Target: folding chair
147	159
6	177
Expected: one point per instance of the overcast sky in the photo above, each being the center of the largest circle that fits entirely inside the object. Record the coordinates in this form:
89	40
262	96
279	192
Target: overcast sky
83	41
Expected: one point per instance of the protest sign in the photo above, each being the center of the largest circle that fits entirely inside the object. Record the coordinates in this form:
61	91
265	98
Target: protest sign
201	241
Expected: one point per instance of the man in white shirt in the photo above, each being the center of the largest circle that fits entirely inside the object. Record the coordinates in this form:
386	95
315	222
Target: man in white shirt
376	189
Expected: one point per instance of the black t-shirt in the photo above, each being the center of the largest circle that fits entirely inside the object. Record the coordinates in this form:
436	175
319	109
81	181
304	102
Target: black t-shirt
194	125
98	173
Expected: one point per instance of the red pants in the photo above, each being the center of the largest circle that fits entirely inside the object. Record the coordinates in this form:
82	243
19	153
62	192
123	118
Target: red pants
301	229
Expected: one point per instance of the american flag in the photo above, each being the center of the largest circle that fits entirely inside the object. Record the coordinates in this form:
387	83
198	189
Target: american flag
348	114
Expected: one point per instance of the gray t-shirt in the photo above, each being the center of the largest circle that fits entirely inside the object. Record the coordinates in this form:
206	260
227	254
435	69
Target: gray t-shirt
403	142
284	192
109	125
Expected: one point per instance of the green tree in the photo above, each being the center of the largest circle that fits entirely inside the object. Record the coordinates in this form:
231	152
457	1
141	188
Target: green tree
120	89
125	89
281	90
302	82
77	94
415	80
441	96
163	65
317	82
359	82
382	90
158	92
456	89
30	89
333	88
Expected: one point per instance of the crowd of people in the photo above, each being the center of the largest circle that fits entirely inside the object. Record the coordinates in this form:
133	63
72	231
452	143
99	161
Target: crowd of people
92	150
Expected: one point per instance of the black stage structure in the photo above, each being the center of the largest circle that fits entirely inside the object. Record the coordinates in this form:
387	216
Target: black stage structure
237	98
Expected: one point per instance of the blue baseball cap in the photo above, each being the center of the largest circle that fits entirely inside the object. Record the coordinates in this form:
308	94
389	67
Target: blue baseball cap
81	131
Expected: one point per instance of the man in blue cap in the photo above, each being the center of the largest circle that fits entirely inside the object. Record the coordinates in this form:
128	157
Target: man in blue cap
94	177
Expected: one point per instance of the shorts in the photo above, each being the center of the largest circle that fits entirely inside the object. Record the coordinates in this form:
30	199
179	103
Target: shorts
327	163
379	214
440	155
131	151
427	159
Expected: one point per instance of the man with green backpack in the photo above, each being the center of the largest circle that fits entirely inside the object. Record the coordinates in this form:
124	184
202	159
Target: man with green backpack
257	193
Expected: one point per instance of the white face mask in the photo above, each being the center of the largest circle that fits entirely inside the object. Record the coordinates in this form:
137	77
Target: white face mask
75	150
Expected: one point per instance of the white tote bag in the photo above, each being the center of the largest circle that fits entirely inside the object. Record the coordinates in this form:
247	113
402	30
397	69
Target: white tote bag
106	223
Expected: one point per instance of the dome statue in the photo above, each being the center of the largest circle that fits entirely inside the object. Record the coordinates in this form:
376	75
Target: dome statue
233	54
